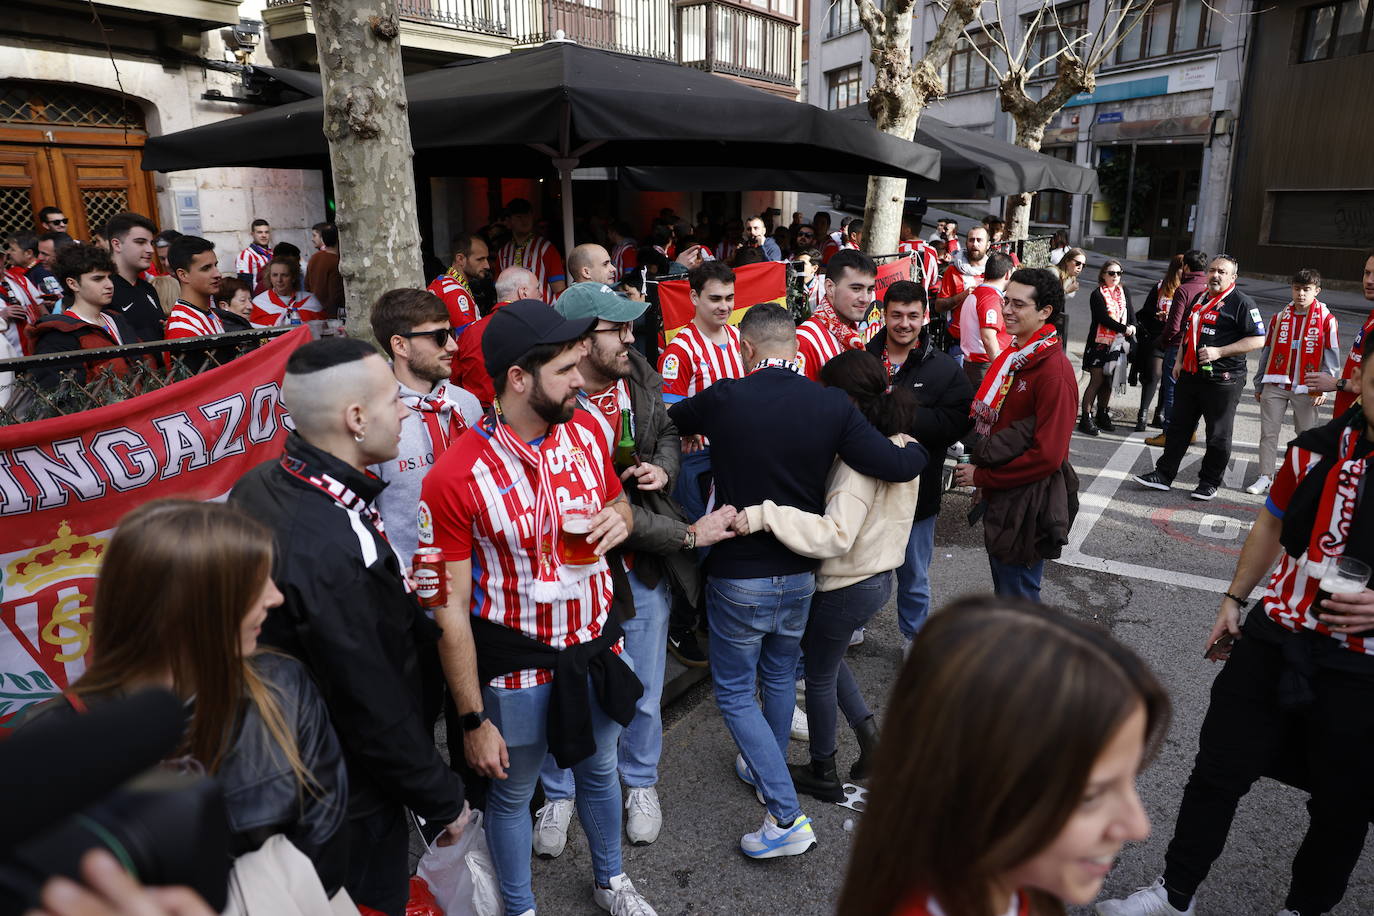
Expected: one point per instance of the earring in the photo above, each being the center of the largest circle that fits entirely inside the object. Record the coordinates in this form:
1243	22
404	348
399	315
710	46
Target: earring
361	437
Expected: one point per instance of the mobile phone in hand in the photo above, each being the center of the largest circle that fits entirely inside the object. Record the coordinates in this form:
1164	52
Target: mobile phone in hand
1220	650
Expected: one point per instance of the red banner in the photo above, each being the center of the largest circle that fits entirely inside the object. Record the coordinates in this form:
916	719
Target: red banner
66	482
890	273
754	283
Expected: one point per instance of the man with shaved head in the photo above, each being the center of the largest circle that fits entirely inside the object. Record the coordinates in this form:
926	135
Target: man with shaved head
591	263
348	614
469	369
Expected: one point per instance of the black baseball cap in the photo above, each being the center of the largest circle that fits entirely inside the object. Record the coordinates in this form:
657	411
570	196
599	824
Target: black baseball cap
517	328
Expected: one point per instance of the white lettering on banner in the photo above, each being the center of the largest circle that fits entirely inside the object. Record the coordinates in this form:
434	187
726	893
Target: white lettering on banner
229	441
262	417
127	471
61	476
189	443
13	499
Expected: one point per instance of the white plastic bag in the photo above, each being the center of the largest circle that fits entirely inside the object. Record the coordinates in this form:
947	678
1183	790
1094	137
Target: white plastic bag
461	876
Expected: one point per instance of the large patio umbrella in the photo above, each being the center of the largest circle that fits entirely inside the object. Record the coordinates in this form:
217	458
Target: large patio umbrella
971	165
561	106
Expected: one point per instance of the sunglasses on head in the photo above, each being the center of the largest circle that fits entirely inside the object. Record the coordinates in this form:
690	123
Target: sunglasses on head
440	336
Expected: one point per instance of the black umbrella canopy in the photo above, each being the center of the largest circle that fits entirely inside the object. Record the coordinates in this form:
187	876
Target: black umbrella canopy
971	165
516	112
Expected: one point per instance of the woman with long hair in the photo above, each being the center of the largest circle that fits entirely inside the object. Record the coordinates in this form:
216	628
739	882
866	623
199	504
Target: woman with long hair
183	591
861	538
1149	349
1069	266
1108	343
1017	788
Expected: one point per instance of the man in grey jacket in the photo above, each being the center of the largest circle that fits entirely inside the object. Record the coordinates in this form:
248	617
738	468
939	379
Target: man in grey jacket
618	379
412	325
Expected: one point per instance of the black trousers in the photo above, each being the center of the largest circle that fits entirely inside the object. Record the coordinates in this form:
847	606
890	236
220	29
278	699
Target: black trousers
1244	735
379	860
1215	404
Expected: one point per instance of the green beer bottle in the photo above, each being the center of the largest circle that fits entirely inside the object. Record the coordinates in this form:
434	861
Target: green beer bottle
625	456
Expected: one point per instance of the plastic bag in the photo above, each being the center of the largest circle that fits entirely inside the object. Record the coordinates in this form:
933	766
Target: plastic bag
461	876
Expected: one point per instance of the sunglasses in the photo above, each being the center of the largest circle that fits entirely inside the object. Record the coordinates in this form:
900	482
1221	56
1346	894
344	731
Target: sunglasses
58	222
1080	263
1112	273
440	336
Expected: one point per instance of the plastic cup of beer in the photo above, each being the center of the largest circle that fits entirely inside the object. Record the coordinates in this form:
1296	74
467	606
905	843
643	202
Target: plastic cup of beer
575	523
1341	576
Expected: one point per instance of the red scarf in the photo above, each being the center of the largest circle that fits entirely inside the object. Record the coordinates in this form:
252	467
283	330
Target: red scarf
1340	493
1205	313
1352	367
1115	298
557	467
1002	373
430	407
22	285
1296	343
846	335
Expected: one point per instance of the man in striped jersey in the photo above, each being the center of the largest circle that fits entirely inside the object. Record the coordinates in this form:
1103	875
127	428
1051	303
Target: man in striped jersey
196	268
624	252
531	252
850	279
471	261
530	648
707	348
253	259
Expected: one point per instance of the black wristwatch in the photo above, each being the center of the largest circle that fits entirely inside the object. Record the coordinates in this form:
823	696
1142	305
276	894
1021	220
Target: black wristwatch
471	721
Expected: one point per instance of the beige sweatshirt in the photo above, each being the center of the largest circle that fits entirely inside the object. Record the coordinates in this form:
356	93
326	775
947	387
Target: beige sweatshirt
864	531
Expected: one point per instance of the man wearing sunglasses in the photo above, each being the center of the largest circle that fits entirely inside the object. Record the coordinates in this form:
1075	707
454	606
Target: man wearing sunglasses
413	327
52	219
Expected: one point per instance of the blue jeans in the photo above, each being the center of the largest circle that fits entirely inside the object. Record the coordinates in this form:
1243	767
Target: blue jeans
913	578
1015	580
521	715
834	616
756	630
1166	385
646	650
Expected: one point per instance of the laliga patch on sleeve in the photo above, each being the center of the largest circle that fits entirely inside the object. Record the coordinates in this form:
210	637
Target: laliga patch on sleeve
671	367
1255	317
426	523
801	362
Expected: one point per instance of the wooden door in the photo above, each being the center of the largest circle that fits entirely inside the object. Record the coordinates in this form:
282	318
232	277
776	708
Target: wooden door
98	183
25	187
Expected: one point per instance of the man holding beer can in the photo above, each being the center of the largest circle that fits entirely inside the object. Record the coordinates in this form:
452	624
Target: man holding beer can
525	507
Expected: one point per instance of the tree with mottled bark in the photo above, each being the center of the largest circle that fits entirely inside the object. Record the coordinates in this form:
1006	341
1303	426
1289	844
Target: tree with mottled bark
366	122
899	93
1080	54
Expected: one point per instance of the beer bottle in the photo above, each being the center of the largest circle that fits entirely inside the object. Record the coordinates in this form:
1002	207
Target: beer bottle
625	456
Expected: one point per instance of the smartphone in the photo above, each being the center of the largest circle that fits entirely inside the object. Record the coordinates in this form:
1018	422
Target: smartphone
1220	650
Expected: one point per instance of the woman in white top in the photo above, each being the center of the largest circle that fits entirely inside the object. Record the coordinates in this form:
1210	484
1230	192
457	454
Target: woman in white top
862	537
284	302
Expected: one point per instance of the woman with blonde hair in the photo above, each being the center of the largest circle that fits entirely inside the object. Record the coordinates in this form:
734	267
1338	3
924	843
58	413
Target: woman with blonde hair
1016	789
1069	266
183	591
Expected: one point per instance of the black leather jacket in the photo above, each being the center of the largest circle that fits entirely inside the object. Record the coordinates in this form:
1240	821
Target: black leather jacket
348	617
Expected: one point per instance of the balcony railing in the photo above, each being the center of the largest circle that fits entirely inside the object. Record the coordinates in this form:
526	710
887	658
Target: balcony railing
732	40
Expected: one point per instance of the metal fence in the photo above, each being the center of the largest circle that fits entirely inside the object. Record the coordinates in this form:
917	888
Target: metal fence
58	384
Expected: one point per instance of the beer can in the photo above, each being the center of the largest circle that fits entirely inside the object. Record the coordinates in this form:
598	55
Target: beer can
427	569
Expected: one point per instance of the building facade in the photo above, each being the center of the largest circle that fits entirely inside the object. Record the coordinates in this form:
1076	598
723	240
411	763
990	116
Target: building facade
1158	126
78	97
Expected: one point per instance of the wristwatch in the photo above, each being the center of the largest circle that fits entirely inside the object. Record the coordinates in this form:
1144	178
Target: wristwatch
471	721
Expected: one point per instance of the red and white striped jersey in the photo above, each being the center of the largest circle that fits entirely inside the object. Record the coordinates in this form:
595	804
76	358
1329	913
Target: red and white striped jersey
929	261
1288	599
251	260
537	256
725	250
691	363
624	256
816	346
186	320
270	310
462	308
477	503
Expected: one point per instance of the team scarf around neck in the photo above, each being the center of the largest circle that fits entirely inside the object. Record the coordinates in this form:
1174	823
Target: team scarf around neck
431	408
1115	297
550	466
774	362
616	396
846	335
1002	373
1204	313
1295	347
1336	507
337	490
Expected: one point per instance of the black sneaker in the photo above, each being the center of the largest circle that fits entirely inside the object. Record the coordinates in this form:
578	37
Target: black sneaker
685	648
1204	491
1155	481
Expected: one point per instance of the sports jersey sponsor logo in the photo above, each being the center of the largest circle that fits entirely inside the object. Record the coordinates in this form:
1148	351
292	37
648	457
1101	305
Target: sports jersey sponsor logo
670	367
426	523
801	362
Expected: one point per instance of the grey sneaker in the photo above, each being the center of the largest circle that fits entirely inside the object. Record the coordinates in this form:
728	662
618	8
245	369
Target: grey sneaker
1147	901
551	827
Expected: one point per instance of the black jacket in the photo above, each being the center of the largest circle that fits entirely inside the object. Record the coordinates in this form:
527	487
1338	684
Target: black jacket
774	435
348	617
944	393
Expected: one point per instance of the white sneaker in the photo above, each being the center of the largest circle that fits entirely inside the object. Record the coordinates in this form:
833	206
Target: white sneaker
1147	901
955	449
1258	487
746	776
551	827
801	731
857	637
800	687
643	816
1289	913
621	898
906	646
771	841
